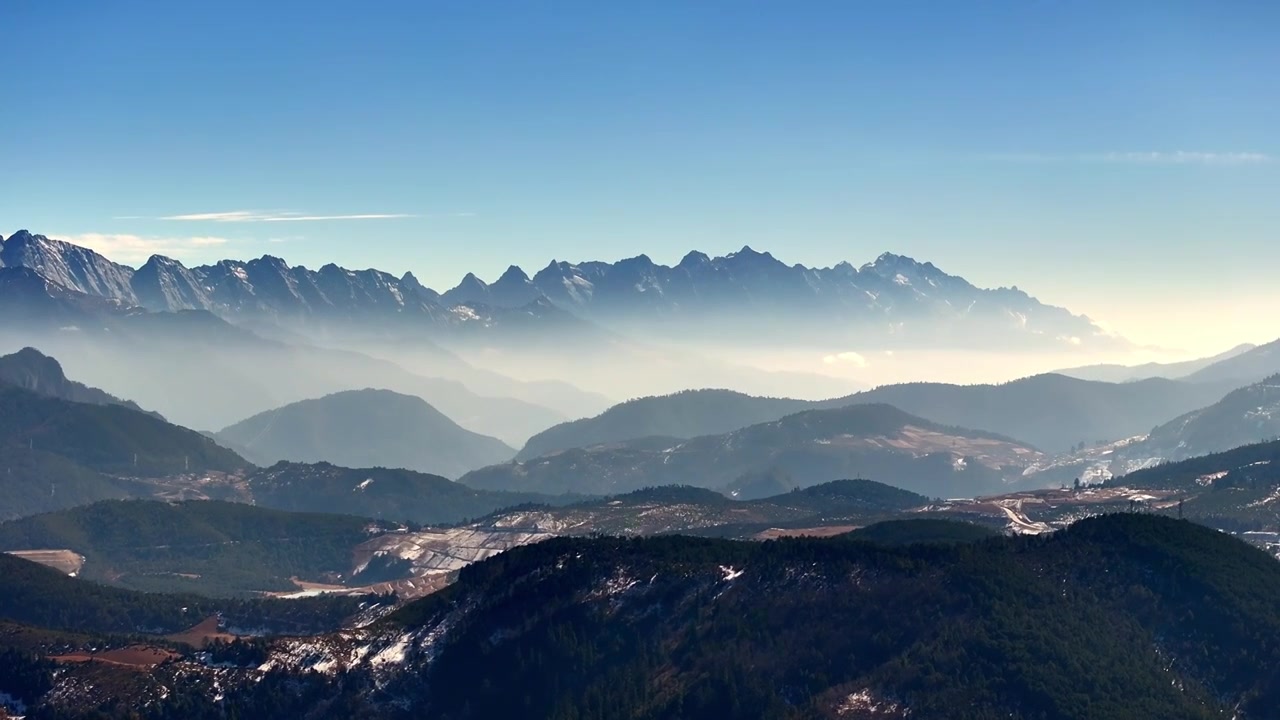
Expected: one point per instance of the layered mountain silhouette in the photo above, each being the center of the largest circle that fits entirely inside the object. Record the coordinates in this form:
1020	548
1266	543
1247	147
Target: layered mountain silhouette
1051	412
892	300
365	428
1172	371
1247	367
683	415
876	441
201	371
32	370
56	452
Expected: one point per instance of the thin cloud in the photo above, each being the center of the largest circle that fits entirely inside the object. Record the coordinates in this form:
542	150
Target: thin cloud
1155	157
246	216
1182	157
137	248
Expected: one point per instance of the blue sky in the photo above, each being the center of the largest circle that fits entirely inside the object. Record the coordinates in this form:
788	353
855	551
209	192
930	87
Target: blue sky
1120	158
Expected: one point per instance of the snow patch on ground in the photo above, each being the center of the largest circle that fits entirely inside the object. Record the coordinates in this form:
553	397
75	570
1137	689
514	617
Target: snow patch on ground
1211	478
730	573
864	703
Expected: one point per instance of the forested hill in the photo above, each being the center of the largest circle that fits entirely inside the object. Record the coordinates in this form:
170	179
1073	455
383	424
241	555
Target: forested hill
36	595
105	438
1158	617
1119	616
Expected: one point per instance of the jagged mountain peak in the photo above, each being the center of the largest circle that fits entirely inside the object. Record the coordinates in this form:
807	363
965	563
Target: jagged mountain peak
20	236
694	259
161	261
470	280
271	261
514	275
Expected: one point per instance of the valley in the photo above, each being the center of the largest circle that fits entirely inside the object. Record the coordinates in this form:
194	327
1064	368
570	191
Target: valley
344	546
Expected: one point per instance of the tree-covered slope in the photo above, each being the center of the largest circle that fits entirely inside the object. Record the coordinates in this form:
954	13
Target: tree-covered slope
35	595
1248	415
106	438
387	493
213	548
1120	616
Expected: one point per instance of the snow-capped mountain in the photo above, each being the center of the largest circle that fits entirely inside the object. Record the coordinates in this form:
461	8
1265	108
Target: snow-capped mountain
894	295
69	266
742	295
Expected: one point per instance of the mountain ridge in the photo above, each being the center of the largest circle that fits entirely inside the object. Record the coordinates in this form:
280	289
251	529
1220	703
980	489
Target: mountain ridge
889	296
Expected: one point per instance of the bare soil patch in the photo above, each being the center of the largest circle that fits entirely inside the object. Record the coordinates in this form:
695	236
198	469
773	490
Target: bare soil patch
141	657
64	561
201	634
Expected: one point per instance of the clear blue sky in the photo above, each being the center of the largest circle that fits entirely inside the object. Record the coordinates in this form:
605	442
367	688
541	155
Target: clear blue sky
1121	158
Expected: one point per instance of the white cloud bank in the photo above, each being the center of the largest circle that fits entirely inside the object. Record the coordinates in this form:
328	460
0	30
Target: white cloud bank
127	248
851	358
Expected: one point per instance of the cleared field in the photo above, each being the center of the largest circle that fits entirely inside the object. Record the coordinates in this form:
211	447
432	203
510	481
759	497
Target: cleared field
141	657
201	634
64	561
823	531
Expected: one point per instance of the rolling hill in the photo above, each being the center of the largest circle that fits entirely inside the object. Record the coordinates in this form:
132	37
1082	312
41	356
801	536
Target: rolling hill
387	493
211	548
365	428
1058	627
64	444
811	447
105	438
682	415
1051	412
36	595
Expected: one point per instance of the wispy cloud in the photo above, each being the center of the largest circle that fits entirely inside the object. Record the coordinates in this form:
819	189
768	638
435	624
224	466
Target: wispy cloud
1151	157
1183	157
247	216
137	248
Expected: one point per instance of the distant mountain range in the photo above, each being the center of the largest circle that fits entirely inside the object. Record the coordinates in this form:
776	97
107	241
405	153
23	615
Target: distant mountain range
1247	367
1051	412
876	441
682	415
894	300
364	428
